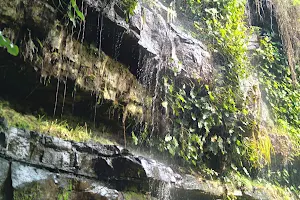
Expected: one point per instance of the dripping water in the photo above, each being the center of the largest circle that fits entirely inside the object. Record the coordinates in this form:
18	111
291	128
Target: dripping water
64	97
99	30
95	108
82	24
73	95
119	38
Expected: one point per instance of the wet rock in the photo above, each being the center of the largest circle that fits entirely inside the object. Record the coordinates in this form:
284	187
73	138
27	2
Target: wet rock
22	174
128	167
101	191
254	193
99	149
3	124
18	143
57	143
3	140
103	168
195	188
4	175
38	184
151	30
158	171
56	158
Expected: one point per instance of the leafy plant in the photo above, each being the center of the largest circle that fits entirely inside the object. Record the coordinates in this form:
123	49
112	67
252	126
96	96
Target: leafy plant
129	7
74	12
6	43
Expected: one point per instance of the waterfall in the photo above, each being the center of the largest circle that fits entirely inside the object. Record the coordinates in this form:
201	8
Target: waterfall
164	191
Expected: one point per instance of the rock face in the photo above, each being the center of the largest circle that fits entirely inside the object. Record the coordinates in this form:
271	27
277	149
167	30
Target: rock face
152	32
44	167
4	173
91	53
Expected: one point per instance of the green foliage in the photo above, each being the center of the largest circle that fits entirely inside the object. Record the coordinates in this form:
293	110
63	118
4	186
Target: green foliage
6	43
282	95
129	7
74	13
68	129
205	121
210	120
65	193
28	192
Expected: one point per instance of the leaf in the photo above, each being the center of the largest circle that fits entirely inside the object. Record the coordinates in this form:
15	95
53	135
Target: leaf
73	3
79	13
134	138
192	94
165	104
168	138
200	124
246	171
193	117
13	49
181	98
211	97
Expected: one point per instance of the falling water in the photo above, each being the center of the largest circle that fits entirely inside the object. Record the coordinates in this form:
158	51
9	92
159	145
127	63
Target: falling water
64	97
164	191
99	30
119	38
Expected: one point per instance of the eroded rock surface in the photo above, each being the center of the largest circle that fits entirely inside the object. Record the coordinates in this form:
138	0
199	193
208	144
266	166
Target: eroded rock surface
45	167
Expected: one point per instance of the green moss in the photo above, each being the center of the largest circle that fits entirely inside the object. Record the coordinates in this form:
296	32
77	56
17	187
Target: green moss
135	196
30	192
65	193
67	129
259	187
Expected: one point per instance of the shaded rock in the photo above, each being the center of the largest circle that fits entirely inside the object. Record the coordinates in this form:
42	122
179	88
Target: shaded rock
40	184
103	168
99	149
3	124
4	175
128	167
3	140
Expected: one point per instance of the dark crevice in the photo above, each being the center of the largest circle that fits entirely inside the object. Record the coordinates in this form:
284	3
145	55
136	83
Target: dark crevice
22	86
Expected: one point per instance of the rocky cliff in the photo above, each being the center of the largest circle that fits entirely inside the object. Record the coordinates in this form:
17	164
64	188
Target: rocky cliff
105	69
